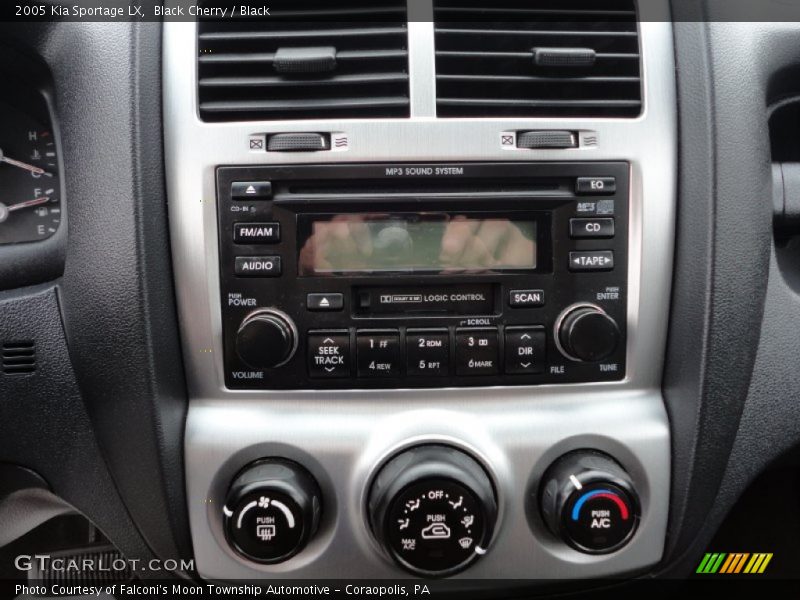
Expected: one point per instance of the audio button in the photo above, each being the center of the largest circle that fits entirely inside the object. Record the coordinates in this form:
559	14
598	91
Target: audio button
258	266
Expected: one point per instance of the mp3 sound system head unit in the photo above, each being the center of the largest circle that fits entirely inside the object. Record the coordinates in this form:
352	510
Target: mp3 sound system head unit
423	275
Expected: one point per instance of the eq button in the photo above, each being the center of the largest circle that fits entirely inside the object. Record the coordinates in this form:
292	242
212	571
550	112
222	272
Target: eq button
477	351
329	354
525	349
427	352
596	185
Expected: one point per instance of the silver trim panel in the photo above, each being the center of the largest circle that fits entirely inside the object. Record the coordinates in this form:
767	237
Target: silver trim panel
341	436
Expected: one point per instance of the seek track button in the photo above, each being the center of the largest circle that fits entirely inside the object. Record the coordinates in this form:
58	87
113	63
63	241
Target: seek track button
329	353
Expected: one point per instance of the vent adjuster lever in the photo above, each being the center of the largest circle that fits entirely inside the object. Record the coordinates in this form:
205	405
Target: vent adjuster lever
305	60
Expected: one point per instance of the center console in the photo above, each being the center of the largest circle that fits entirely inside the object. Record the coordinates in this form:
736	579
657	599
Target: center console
424	345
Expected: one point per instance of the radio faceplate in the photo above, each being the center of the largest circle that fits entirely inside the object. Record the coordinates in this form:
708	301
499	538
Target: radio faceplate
423	275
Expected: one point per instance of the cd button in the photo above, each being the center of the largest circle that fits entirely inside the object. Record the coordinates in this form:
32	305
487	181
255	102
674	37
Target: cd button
329	354
427	352
477	351
378	353
591	228
525	348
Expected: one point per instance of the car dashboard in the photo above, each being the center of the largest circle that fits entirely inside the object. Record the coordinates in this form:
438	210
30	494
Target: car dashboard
480	295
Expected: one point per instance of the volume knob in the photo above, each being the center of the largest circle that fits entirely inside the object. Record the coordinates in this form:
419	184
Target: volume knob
585	333
266	339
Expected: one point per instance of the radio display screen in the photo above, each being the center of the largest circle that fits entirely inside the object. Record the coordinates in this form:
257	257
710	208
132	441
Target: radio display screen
364	243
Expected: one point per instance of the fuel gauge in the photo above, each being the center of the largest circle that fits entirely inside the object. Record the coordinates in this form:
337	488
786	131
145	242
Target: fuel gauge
30	189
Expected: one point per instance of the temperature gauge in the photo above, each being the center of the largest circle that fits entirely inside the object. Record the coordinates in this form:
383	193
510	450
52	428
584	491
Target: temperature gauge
30	189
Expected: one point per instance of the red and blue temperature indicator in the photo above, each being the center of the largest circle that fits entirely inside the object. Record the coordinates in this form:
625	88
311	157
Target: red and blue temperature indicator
600	494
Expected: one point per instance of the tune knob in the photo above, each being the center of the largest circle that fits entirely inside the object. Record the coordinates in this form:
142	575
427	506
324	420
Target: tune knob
588	500
585	333
272	510
266	339
433	510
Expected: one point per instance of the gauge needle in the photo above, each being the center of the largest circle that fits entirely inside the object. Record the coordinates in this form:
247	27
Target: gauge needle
28	203
22	165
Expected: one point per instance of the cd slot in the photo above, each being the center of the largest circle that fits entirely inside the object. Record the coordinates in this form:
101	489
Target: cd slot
288	191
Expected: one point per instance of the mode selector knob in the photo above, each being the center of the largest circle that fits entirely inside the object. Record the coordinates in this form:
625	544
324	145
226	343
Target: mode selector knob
266	339
585	333
272	510
433	509
588	500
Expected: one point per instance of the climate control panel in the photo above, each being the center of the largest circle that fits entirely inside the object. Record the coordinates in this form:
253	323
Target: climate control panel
433	508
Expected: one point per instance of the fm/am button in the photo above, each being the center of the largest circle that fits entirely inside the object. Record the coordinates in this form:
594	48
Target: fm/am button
256	233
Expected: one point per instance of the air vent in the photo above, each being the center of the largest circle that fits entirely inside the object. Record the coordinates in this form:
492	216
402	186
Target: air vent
18	358
312	60
564	58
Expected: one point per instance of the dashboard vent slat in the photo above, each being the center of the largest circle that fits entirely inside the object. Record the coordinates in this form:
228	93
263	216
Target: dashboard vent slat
356	63
18	358
557	58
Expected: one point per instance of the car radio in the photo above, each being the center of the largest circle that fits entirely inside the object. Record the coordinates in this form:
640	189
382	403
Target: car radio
423	275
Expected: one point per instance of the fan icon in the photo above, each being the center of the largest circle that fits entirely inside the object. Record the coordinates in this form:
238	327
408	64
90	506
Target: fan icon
263	502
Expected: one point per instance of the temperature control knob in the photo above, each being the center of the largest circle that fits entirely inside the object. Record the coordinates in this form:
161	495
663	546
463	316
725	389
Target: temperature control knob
585	333
272	510
433	510
266	339
588	500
